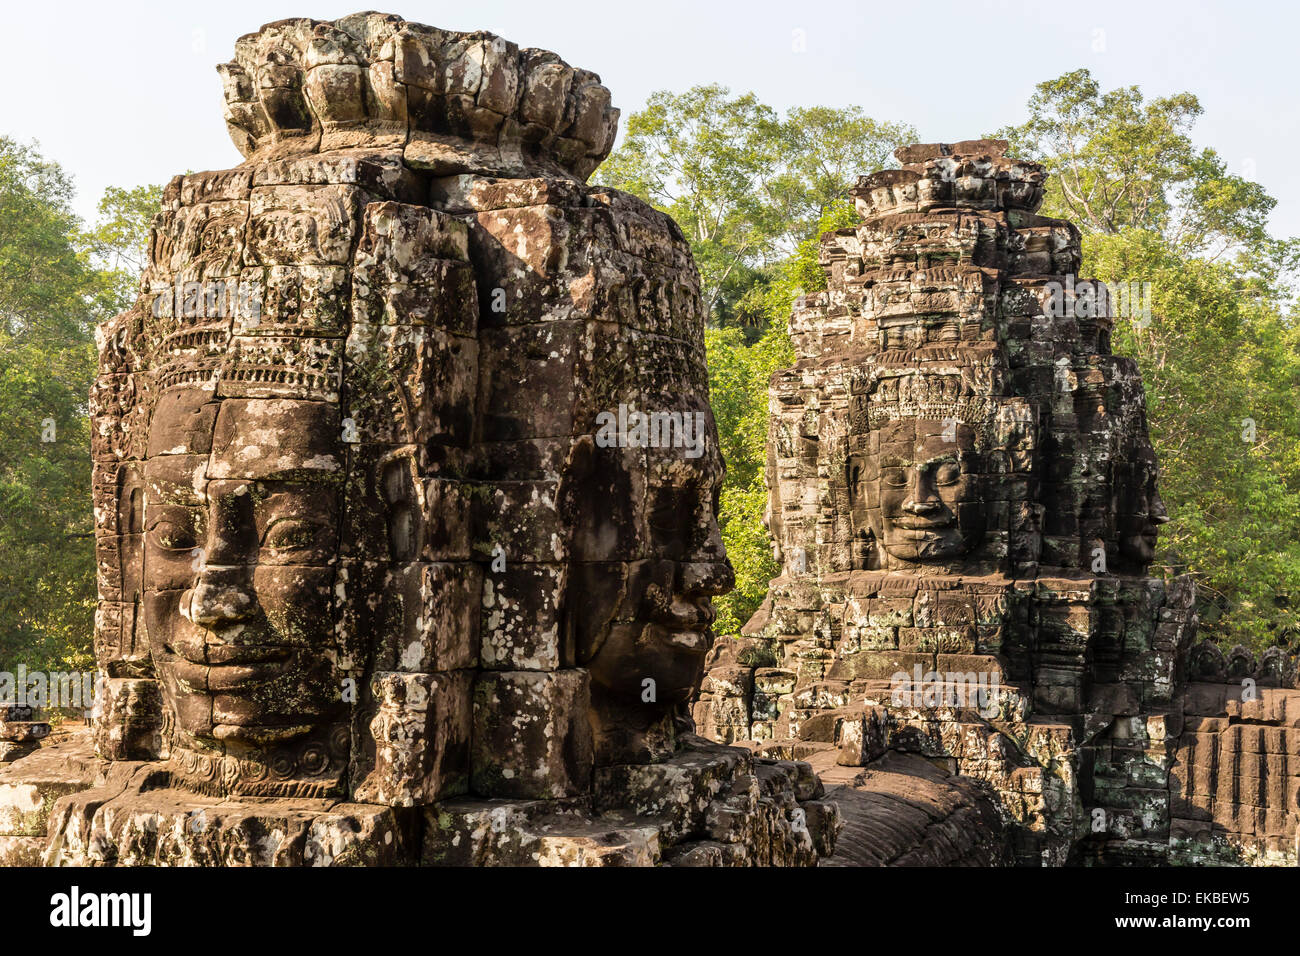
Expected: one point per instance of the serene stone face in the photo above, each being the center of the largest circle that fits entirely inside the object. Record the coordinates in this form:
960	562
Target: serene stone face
641	624
921	495
382	531
610	552
361	540
240	553
1017	543
1139	510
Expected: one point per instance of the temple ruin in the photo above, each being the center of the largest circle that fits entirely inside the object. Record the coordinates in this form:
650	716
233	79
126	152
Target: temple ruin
405	488
372	589
962	493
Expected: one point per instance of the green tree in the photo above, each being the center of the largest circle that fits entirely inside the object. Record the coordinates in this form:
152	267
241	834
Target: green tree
120	238
739	372
1218	355
56	282
703	156
1120	162
746	184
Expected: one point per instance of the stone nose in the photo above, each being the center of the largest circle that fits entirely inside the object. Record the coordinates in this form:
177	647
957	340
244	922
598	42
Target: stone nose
921	499
921	506
221	596
706	578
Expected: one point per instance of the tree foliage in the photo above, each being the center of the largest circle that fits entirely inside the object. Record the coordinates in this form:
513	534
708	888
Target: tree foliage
1119	162
746	184
56	282
1219	355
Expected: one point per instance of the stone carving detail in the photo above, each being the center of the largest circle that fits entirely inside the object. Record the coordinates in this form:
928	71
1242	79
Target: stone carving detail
363	547
1276	667
380	583
451	102
963	499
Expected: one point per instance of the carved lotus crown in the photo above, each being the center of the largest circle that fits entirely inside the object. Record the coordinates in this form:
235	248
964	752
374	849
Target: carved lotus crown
972	174
455	102
926	398
966	394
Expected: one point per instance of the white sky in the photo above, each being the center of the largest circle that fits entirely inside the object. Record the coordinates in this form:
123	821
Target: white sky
124	93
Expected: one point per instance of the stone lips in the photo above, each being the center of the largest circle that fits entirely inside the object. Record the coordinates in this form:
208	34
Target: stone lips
453	101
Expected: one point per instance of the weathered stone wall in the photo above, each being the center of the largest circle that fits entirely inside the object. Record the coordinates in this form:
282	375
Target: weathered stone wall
1235	775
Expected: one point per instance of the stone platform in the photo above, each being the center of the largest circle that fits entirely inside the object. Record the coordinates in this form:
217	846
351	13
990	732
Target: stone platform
707	806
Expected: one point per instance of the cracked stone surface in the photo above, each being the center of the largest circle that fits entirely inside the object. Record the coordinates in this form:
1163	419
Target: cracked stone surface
375	584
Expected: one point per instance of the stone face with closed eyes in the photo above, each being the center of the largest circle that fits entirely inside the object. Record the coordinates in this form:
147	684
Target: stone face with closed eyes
962	495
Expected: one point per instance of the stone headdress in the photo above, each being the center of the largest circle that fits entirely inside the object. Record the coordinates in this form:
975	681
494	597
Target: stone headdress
962	385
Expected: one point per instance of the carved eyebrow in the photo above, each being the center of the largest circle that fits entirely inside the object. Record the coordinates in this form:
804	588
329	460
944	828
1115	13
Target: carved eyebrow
285	504
170	512
319	477
942	460
171	495
897	462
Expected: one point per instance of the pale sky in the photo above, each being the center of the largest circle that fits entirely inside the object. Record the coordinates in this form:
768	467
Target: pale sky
126	93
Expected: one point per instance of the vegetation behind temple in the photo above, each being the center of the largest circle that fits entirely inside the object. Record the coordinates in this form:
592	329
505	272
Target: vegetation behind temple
753	190
57	279
1220	359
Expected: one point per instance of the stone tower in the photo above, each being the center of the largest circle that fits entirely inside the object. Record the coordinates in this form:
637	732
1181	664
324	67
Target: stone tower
378	583
963	499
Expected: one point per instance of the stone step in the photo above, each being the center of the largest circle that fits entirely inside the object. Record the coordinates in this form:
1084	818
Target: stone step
23	731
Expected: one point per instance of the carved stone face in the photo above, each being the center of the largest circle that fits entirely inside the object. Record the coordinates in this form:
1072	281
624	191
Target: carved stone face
240	552
1140	512
921	495
648	558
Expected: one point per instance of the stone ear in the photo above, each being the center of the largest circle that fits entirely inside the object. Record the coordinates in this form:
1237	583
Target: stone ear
579	487
852	477
132	520
398	489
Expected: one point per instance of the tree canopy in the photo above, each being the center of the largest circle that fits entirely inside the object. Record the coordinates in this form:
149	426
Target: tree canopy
753	191
746	184
57	280
1219	352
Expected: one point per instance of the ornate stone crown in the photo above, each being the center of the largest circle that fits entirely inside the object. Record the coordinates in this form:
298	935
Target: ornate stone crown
449	100
959	385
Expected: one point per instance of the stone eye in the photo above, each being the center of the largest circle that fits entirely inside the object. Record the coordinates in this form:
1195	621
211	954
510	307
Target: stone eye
893	477
286	534
172	536
947	473
666	518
